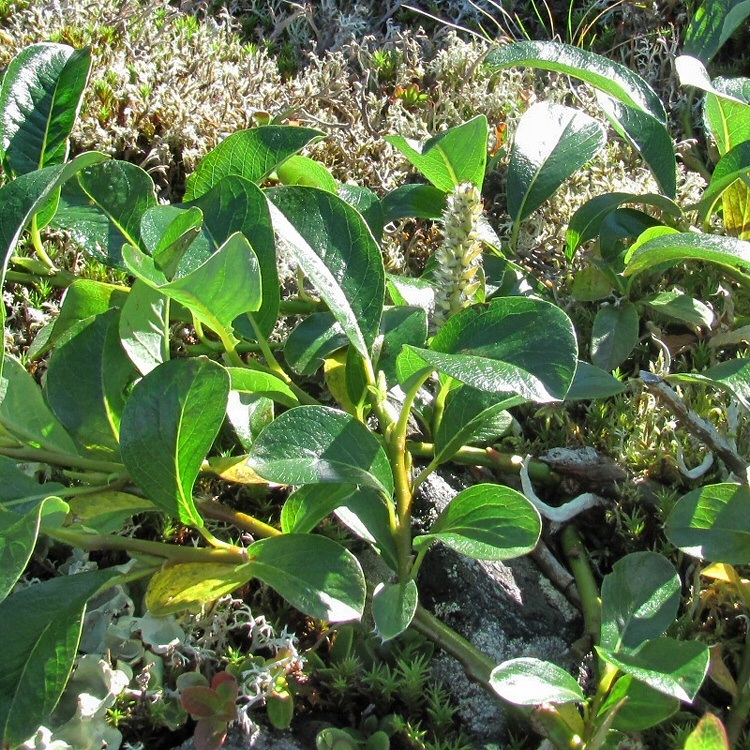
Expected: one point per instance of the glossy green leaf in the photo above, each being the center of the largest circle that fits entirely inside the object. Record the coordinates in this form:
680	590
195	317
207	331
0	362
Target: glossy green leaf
144	327
308	505
712	25
18	534
727	112
39	102
233	205
709	734
260	383
616	236
302	170
317	444
614	335
224	287
682	307
648	136
252	154
551	143
248	415
610	77
732	376
732	166
675	668
334	247
531	682
685	246
592	382
315	338
313	573
393	608
21	198
164	225
713	523
25	413
399	326
367	514
367	204
102	210
456	155
486	522
86	382
525	347
405	290
43	622
643	706
82	299
188	586
414	201
107	511
21	492
587	220
640	598
472	416
168	426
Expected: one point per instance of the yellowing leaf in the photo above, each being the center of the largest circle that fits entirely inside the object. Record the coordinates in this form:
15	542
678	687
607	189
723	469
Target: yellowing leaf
234	469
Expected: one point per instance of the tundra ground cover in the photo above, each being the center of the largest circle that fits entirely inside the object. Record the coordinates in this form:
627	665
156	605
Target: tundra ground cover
262	330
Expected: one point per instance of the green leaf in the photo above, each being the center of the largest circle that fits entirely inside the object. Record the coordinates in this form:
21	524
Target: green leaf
308	505
367	203
682	307
188	586
709	734
727	112
312	342
591	284
399	326
317	444
103	211
472	416
735	201
334	247
587	220
163	227
82	299
248	415
19	491
592	382
86	381
18	535
684	246
25	414
713	523
552	142
648	135
712	25
252	154
393	608
219	290
675	668
302	170
265	384
732	166
511	345
640	598
530	682
106	512
21	198
237	205
39	102
313	573
144	327
168	426
643	708
616	236
610	77
732	376
43	622
456	155
614	335
486	522
414	201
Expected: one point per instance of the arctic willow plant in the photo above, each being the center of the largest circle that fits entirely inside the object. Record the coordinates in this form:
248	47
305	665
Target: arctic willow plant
131	408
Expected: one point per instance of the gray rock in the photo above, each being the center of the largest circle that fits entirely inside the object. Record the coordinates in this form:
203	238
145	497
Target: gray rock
262	739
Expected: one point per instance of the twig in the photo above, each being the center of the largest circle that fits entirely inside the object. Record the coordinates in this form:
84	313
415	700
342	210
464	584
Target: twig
696	426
